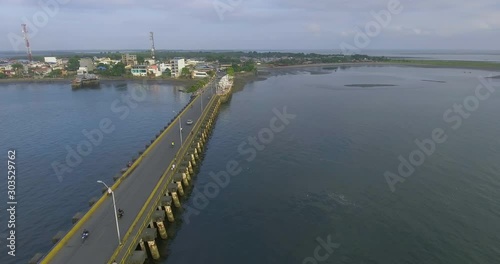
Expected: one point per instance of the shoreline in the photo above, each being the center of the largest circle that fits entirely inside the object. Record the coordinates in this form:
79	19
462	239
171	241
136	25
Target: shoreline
105	79
421	64
241	79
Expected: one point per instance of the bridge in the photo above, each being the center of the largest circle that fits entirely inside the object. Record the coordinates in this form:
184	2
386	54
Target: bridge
148	191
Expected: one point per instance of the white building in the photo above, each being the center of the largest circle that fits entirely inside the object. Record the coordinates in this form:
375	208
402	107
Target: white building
82	71
193	62
154	70
139	70
200	74
176	66
165	66
50	60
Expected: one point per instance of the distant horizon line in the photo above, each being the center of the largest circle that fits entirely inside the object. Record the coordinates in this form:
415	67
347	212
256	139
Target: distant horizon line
242	50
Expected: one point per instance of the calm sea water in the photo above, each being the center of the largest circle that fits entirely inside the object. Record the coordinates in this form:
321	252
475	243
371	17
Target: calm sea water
323	174
320	178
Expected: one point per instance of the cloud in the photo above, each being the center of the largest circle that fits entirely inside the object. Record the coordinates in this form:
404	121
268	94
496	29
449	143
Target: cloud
249	24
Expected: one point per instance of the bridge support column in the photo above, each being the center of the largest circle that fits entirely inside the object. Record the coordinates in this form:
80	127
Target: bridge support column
192	161
188	175
149	236
166	202
154	249
190	168
198	145
141	244
158	218
196	155
170	214
172	189
185	179
179	187
162	230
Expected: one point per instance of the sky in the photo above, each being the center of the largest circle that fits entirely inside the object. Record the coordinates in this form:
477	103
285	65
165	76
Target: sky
251	24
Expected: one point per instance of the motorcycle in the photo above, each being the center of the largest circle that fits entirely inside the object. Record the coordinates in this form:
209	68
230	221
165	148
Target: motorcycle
84	236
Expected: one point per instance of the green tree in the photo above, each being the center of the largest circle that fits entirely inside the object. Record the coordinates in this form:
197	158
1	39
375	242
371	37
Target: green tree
140	59
186	73
167	73
117	69
18	69
73	63
55	73
230	71
3	75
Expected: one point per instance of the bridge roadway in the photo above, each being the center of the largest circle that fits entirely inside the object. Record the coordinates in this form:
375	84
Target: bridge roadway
130	195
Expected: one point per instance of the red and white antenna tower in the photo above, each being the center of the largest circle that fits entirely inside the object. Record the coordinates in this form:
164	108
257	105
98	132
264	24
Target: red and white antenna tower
25	34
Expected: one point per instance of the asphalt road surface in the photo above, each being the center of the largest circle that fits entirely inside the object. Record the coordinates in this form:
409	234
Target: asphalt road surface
130	196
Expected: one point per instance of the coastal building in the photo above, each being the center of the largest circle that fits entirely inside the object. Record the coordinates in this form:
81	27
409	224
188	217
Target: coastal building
107	61
41	71
150	61
154	70
203	68
193	62
176	66
82	71
87	63
165	66
199	74
129	60
139	70
50	60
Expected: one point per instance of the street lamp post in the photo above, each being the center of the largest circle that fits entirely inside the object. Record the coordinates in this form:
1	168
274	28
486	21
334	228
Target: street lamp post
180	126
114	206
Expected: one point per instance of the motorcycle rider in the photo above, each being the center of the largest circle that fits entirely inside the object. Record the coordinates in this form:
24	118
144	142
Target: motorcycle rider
120	212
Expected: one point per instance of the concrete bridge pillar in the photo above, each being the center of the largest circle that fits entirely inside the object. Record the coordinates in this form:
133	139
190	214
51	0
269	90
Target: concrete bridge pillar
192	159
178	181
198	145
141	244
186	179
192	163
149	236
158	218
166	202
188	175
190	167
182	178
172	189
196	155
